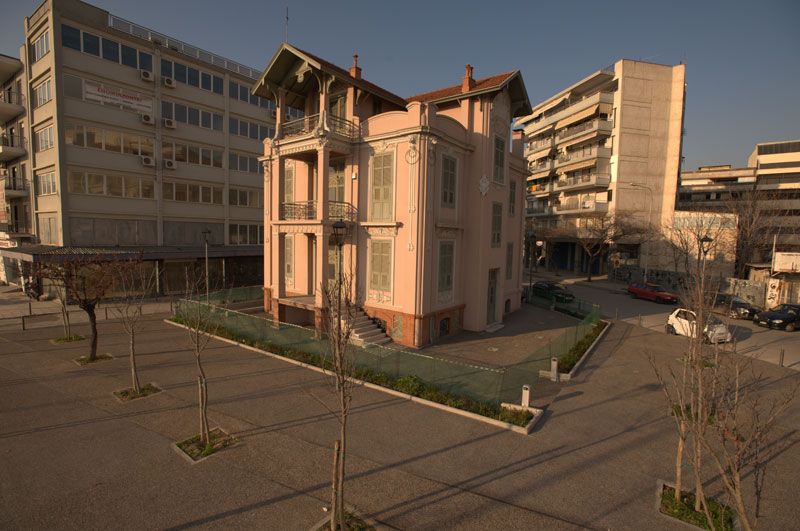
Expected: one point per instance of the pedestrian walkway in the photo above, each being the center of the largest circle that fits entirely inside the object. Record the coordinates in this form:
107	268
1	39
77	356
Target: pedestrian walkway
76	458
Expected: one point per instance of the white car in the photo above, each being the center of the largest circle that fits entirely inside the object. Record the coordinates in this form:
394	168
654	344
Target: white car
683	323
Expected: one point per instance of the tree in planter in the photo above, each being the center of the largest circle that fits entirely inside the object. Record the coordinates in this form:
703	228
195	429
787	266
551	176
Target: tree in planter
85	280
135	281
202	322
716	400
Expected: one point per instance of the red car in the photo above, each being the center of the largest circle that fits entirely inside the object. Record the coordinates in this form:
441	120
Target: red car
653	292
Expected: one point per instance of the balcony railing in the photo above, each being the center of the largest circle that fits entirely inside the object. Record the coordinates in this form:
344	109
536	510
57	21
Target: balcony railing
539	211
15	141
17	226
19	184
14	98
590	179
307	125
582	154
586	205
585	126
307	210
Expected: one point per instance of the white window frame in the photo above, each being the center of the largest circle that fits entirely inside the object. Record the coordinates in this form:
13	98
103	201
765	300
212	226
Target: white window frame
44	139
41	46
42	94
46	183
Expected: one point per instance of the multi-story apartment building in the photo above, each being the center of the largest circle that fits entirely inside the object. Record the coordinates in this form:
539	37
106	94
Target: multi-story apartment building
608	145
133	139
428	187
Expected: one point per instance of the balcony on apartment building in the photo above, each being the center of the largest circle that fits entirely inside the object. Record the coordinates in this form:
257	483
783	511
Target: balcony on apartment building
586	105
12	104
585	206
585	130
581	182
540	144
18	228
539	210
541	167
573	160
12	147
15	186
539	189
307	211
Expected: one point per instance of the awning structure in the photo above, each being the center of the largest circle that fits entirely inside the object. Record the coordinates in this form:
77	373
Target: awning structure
578	116
578	166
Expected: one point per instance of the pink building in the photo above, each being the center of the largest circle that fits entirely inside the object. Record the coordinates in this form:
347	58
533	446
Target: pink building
431	187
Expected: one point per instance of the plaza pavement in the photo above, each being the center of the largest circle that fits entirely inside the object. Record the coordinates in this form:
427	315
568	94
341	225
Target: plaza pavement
72	457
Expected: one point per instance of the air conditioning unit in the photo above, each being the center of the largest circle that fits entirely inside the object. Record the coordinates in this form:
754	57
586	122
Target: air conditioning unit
169	123
148	161
170	164
144	75
169	82
273	113
148	119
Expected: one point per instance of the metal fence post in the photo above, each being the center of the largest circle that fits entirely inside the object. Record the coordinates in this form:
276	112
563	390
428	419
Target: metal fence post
781	361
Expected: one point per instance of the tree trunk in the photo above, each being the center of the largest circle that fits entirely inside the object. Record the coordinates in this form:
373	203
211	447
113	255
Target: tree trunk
134	376
340	489
679	462
334	487
93	327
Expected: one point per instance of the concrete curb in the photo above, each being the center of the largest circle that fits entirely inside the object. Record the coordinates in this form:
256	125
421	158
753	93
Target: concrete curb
566	376
660	484
191	461
525	430
352	510
118	399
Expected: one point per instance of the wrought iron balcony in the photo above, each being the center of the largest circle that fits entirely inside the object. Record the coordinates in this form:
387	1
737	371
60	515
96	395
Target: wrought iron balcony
15	186
307	125
12	104
12	146
307	210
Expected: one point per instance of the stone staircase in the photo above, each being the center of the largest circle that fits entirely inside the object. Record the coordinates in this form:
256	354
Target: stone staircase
365	331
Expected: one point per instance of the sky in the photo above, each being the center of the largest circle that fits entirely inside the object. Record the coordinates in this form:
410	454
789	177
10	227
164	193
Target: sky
742	58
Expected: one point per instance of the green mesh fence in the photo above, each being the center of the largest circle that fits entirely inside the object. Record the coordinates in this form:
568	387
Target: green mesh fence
526	372
479	383
240	294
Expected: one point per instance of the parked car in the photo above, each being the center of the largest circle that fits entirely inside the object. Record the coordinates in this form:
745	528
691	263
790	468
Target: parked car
734	307
784	316
683	322
558	291
653	292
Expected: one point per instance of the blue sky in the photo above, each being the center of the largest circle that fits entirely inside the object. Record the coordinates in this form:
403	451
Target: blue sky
743	58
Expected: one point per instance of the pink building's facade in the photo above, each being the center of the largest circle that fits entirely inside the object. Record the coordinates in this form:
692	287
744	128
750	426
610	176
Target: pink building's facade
432	189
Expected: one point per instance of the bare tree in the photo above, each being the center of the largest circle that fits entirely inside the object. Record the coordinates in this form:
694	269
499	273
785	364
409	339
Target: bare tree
86	280
202	321
708	394
758	212
594	233
135	282
341	310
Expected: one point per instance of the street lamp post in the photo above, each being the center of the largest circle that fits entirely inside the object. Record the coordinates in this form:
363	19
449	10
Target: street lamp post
649	221
339	229
205	234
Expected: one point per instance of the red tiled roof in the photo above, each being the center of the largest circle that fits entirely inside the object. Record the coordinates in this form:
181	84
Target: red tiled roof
370	86
481	84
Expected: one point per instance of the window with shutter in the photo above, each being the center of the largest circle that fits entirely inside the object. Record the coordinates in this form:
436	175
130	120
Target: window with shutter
288	256
499	159
448	182
288	185
446	263
381	265
497	224
382	186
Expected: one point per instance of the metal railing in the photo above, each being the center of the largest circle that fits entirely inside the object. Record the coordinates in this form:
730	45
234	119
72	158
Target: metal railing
15	183
581	179
14	98
20	226
17	141
307	125
308	210
575	129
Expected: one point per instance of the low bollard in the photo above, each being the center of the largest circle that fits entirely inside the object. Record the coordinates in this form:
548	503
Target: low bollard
616	315
526	396
554	369
640	319
23	322
781	361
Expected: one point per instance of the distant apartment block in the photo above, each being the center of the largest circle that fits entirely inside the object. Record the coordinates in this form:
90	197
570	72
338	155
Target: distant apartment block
114	135
430	187
607	145
772	172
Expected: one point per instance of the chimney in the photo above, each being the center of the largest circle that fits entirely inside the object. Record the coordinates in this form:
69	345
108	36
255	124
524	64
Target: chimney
467	83
355	71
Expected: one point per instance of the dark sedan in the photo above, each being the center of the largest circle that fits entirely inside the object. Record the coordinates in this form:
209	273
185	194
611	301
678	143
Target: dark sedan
559	292
784	316
734	307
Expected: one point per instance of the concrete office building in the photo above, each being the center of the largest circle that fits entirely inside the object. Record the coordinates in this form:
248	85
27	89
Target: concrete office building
773	170
609	144
119	136
429	188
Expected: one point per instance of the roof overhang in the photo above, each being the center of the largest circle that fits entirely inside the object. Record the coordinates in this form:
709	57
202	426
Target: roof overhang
8	67
520	104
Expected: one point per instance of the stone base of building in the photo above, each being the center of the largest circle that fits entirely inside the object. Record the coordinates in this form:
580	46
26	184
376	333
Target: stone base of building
419	330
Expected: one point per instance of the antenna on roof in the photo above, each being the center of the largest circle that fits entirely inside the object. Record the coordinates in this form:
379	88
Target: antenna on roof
287	25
